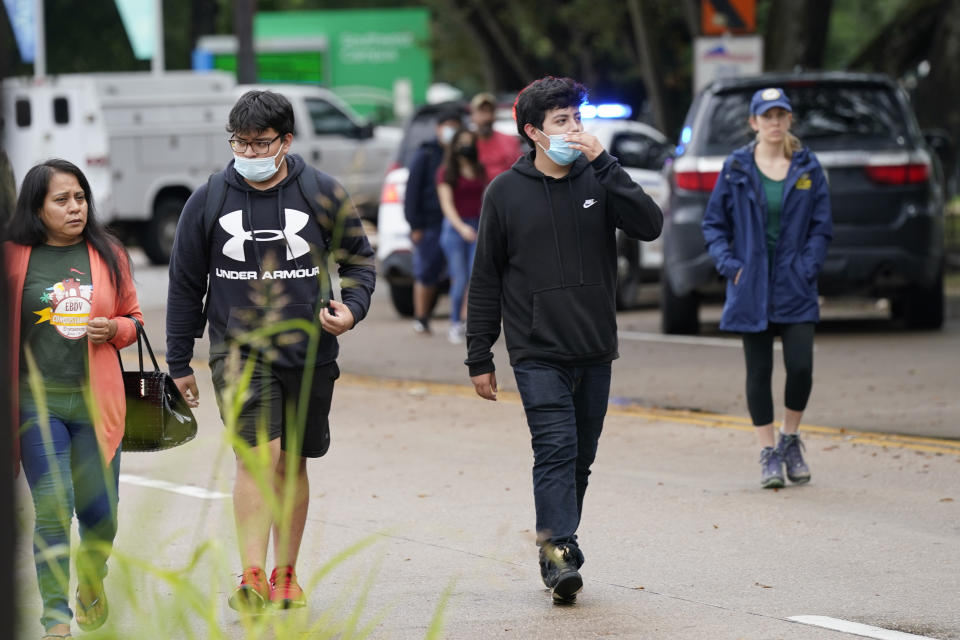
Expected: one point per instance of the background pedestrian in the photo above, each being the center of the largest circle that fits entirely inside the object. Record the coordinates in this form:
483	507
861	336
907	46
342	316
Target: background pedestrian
460	184
421	206
767	226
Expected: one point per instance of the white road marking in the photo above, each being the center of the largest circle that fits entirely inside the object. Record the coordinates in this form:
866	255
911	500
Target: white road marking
642	336
182	489
856	628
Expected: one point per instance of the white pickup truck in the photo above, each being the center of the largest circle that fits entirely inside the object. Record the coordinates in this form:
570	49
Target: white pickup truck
146	142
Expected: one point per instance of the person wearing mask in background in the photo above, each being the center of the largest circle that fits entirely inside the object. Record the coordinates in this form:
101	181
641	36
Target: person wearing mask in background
421	206
496	151
264	249
460	184
70	292
767	226
546	266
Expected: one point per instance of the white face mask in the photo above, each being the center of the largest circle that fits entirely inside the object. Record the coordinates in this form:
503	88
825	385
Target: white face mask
257	169
446	134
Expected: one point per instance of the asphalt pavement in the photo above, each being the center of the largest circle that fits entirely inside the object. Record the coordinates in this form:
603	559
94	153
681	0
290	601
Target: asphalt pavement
680	541
424	502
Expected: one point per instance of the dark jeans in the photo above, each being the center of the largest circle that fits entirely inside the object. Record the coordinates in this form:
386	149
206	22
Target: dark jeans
66	473
797	359
565	408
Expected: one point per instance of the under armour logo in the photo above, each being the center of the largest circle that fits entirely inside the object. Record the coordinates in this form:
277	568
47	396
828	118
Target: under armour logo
589	203
232	223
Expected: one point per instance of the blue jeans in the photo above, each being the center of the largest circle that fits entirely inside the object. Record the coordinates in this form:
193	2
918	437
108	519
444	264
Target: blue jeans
565	408
459	255
66	473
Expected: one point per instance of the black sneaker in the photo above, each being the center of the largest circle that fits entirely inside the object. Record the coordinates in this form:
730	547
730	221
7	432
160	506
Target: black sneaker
559	568
771	468
791	451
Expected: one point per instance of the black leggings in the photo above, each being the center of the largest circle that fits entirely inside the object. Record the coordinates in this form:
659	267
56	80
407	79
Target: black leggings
797	358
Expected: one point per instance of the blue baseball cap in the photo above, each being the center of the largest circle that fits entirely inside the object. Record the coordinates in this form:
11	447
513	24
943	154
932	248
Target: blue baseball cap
766	99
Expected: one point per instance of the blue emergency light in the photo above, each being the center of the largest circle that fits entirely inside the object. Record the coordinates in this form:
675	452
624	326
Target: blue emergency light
605	110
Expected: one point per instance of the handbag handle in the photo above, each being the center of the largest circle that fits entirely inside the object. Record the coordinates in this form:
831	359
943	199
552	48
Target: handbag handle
141	340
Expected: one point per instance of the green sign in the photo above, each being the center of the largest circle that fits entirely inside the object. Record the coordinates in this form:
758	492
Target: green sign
368	50
284	66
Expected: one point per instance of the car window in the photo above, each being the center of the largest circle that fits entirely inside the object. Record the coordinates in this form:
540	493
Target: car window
638	151
327	119
826	116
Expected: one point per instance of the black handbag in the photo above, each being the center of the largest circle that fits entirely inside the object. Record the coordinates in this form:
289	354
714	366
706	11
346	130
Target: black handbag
158	417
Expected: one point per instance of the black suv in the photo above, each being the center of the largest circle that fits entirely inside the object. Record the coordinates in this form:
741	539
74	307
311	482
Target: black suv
886	192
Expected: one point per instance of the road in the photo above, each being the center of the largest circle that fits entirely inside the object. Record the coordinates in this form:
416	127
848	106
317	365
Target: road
426	491
869	374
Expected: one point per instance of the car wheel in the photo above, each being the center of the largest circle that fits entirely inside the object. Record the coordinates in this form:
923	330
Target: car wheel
158	233
678	314
628	271
922	307
402	297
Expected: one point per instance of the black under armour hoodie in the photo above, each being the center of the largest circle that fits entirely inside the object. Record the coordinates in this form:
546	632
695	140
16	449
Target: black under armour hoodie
266	261
546	262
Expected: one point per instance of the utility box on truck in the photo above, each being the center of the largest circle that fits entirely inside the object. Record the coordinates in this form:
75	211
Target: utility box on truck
147	141
144	141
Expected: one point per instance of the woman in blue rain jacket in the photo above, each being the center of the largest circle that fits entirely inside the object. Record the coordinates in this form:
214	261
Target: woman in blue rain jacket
767	226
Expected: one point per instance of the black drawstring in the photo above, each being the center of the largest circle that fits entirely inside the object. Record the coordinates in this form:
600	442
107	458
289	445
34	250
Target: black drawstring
253	235
556	235
576	216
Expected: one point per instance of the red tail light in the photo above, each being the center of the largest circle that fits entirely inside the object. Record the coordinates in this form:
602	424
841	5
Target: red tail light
898	173
390	193
696	180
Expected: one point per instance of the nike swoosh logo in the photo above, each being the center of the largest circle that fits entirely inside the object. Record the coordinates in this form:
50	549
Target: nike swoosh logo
589	203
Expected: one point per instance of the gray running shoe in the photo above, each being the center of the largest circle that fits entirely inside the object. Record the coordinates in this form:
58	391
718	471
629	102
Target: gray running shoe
771	476
791	451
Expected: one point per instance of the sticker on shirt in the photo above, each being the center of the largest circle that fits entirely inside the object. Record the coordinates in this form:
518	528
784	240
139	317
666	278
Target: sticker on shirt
804	183
69	309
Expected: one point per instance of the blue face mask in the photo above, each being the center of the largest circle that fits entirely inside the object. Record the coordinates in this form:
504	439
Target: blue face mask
560	151
257	169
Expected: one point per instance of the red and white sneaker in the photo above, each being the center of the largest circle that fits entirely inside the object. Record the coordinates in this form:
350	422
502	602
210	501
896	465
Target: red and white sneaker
253	593
284	590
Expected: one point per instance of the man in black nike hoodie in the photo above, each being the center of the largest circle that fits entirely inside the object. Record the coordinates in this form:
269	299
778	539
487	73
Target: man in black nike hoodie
272	314
546	265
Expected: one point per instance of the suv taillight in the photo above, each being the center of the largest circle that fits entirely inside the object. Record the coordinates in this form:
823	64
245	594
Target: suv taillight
390	194
696	180
898	173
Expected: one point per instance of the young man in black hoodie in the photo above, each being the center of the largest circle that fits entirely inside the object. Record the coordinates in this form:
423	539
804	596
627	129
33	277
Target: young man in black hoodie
546	265
264	251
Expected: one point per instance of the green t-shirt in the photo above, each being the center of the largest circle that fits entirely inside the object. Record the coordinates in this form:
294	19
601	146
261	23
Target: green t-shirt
54	314
774	191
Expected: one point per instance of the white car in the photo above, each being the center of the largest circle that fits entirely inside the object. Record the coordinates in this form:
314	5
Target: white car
640	148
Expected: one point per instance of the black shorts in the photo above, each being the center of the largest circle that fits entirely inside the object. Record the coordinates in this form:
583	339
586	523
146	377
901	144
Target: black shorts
268	410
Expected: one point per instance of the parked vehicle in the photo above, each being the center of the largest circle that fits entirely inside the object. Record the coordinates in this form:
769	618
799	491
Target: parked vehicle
641	150
886	192
146	142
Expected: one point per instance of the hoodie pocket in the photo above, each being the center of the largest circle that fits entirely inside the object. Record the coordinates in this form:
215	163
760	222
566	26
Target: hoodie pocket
577	321
243	320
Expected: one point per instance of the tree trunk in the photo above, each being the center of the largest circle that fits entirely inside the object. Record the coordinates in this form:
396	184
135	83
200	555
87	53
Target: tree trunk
243	27
651	80
796	34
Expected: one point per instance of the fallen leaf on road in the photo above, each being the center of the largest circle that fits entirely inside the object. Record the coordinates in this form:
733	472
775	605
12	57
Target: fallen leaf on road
946	499
715	527
830	448
638	588
764	586
423	495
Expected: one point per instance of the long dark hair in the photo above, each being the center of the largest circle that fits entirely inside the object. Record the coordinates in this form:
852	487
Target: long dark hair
451	160
25	227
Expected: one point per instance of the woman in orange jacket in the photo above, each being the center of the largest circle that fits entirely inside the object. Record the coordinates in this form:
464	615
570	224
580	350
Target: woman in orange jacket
70	287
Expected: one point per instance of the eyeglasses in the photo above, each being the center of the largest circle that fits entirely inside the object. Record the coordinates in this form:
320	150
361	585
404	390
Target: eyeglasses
259	146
